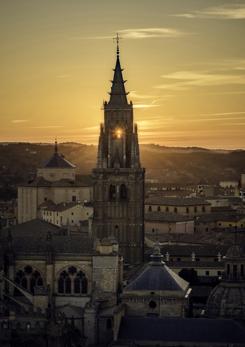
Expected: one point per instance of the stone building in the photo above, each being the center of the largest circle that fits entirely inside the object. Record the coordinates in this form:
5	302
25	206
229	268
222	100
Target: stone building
56	182
158	223
190	206
47	274
118	176
66	213
156	291
227	300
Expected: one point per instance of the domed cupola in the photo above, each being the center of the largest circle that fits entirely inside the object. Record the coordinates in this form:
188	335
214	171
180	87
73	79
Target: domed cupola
57	168
156	290
227	299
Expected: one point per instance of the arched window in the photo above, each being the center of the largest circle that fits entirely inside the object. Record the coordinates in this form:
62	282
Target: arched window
167	209
67	285
149	208
72	281
112	192
80	283
175	210
159	208
28	279
187	209
123	192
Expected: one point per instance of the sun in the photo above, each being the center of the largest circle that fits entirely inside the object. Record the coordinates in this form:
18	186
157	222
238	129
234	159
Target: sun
118	133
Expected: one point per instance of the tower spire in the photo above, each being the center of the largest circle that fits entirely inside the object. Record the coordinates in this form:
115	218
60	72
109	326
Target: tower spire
56	146
118	95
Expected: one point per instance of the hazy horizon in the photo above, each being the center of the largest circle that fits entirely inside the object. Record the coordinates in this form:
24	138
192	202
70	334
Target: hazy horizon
184	62
141	144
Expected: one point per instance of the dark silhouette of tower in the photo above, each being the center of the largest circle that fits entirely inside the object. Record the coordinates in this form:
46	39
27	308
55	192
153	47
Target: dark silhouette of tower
118	177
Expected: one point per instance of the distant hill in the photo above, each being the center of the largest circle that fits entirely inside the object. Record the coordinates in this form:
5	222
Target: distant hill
19	161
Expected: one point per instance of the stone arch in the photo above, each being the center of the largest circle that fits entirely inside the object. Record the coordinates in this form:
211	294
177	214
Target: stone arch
28	277
72	280
112	192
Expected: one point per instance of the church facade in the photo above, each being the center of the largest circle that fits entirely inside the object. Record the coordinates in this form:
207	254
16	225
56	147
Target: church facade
118	177
55	182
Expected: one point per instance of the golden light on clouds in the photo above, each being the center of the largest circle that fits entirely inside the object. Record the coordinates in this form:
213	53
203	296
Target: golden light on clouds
184	62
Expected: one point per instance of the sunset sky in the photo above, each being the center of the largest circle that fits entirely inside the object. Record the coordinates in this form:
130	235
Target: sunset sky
184	61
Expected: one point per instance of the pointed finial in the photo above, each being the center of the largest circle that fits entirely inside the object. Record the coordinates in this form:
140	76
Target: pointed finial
117	38
56	146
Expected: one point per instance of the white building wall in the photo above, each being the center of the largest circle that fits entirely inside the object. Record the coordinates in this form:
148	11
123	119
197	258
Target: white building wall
72	216
56	174
29	198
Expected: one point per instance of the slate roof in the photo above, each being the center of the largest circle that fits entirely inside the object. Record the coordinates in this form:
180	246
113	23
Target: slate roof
34	237
170	201
58	161
157	276
181	330
166	217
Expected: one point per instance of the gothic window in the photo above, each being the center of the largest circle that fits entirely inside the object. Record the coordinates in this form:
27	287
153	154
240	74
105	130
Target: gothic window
123	192
112	192
72	281
80	283
28	278
67	285
187	209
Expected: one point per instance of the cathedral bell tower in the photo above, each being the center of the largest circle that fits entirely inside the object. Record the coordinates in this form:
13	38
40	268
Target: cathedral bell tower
118	176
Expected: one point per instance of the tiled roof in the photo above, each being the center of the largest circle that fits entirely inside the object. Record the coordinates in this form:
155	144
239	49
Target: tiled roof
63	206
169	201
32	237
166	217
220	216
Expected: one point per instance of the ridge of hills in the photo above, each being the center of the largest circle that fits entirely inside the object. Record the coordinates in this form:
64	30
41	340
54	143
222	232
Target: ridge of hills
177	165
